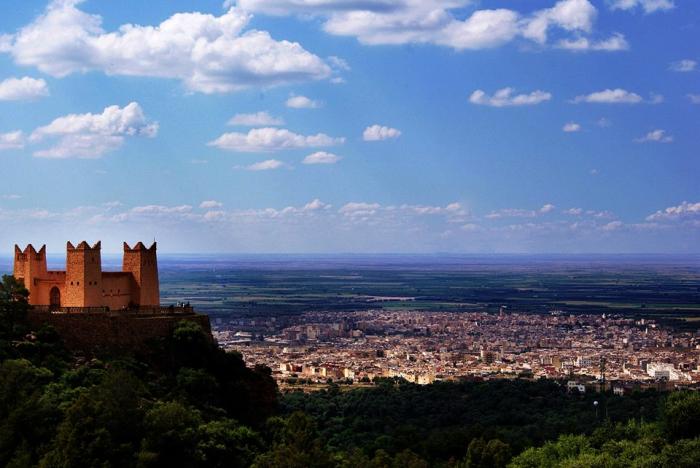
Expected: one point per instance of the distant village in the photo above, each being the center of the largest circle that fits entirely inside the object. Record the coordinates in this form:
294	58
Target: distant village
587	351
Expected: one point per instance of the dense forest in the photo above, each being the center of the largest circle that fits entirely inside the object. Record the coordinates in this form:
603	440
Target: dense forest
188	403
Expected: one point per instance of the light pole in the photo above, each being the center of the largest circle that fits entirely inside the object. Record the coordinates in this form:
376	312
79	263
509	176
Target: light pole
595	405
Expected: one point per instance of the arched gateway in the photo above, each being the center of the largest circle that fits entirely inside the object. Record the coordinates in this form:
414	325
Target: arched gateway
55	298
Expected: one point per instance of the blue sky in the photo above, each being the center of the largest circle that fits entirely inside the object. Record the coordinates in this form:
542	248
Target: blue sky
352	126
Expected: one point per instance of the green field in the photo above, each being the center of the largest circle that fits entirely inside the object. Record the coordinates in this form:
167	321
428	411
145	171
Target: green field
661	290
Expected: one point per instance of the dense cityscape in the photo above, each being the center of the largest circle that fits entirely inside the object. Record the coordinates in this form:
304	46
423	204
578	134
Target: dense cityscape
423	347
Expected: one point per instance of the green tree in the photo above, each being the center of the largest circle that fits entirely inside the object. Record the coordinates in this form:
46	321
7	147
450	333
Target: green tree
13	308
170	437
681	415
296	444
225	443
102	427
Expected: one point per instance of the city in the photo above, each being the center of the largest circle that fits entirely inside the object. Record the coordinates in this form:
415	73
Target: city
423	347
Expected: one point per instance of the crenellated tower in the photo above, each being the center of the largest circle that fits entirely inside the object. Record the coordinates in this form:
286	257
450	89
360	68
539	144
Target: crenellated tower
83	286
142	263
29	266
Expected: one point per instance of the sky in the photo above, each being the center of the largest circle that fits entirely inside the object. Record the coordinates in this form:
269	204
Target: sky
352	126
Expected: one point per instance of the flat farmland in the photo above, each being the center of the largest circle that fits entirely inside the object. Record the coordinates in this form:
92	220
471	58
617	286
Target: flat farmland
655	287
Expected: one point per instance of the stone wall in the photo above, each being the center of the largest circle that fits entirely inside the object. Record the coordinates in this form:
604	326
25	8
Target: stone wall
112	330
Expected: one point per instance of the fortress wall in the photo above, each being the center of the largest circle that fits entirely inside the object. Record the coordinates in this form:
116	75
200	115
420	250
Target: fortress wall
101	330
118	289
42	291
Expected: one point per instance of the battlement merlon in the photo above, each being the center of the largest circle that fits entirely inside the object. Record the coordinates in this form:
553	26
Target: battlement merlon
83	246
139	246
30	250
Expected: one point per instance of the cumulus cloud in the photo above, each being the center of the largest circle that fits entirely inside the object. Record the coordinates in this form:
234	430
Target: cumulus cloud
547	208
614	43
520	213
655	136
505	97
315	205
694	98
610	96
209	204
257	119
161	209
338	63
511	213
12	140
268	139
682	66
359	209
93	135
266	165
207	53
321	157
574	211
302	102
649	6
571	15
613	226
380	132
23	89
683	211
437	22
571	127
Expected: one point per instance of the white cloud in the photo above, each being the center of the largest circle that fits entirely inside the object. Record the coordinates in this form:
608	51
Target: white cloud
209	204
438	22
161	209
686	65
11	196
520	213
257	119
571	15
574	211
614	43
316	205
321	157
207	53
548	208
359	209
610	96
571	127
339	63
302	102
613	226
23	89
682	211
694	98
93	135
267	165
504	97
214	215
380	132
511	213
12	140
268	139
649	6
656	136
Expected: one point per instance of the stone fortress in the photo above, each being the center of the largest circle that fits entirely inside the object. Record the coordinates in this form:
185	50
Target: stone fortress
93	309
83	283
